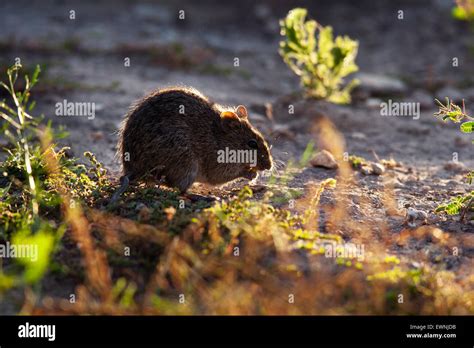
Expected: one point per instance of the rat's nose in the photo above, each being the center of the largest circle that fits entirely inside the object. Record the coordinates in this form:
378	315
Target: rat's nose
267	164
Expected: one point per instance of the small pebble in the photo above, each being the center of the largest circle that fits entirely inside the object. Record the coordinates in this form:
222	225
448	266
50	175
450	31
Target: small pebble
324	159
455	166
378	169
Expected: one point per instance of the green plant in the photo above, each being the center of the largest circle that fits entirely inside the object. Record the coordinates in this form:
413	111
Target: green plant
464	10
22	122
458	205
454	113
30	193
356	161
21	196
322	62
457	114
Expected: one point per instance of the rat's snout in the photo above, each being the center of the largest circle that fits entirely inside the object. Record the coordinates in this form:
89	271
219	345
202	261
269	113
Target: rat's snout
265	162
267	165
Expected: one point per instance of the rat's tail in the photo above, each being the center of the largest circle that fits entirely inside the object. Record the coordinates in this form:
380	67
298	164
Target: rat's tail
124	182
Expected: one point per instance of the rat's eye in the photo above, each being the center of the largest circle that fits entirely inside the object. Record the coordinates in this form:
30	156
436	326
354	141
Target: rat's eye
252	144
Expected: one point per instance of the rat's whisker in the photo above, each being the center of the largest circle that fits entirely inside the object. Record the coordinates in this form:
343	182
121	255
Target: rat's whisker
275	171
279	161
279	164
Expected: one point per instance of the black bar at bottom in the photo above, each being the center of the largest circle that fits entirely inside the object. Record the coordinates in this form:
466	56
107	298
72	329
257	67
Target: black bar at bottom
290	330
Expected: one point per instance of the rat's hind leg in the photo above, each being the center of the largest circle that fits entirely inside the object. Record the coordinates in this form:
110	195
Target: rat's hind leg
183	177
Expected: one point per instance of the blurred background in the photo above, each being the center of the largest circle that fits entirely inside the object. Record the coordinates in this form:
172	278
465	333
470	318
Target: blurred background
83	49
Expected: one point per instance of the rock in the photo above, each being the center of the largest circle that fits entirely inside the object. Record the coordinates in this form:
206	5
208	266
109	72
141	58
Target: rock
366	170
455	166
422	215
413	215
377	168
381	85
372	168
324	159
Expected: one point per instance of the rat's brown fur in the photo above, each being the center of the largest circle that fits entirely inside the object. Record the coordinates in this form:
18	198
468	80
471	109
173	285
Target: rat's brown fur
182	148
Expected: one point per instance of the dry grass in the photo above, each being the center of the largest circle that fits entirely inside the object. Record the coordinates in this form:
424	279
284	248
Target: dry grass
247	257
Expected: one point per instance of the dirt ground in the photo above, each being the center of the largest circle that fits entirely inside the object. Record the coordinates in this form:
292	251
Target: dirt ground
407	59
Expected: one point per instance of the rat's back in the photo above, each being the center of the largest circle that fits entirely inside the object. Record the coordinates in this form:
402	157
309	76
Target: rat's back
158	135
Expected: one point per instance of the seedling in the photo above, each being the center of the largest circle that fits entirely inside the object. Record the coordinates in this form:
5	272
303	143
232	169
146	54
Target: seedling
321	61
457	114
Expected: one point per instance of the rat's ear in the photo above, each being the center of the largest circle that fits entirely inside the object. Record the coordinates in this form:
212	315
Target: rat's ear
241	111
230	119
228	114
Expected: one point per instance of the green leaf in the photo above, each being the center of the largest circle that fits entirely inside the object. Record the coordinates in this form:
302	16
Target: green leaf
459	13
307	154
39	246
467	127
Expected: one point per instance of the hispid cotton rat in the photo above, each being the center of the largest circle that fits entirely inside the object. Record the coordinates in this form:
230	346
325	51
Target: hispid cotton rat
178	135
